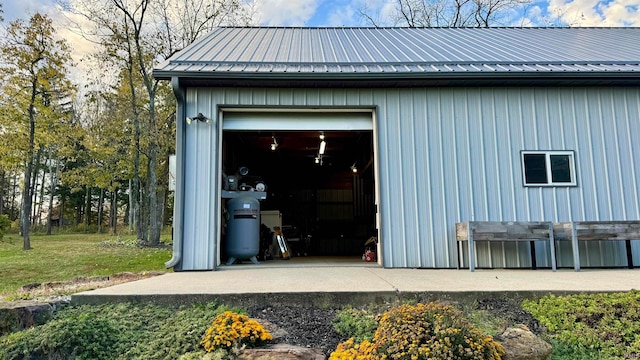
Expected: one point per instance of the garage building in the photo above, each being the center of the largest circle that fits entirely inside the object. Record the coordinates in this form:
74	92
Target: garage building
423	128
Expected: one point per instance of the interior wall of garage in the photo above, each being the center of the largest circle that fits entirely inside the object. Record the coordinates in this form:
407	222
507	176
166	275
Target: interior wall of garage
447	155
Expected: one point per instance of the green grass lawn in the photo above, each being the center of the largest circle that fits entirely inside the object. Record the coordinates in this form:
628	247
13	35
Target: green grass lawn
67	256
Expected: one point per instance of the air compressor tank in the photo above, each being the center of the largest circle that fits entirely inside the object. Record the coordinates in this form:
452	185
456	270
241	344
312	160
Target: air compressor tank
243	229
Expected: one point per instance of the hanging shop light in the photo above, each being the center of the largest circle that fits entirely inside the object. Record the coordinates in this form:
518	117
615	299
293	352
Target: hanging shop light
274	143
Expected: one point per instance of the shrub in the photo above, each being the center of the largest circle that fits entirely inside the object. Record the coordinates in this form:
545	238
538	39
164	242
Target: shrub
607	323
357	324
420	331
230	330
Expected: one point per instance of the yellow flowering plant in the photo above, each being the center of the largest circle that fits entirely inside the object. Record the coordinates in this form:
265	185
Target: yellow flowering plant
349	350
231	330
422	332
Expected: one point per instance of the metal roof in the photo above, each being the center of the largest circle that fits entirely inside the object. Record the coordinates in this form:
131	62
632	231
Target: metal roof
407	53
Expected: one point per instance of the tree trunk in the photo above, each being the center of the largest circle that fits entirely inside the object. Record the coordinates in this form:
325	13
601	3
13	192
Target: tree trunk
14	190
78	214
41	199
143	219
114	211
87	209
2	191
53	179
100	210
129	212
34	185
62	198
26	194
154	221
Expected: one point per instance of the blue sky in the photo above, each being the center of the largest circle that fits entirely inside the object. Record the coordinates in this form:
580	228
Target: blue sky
346	13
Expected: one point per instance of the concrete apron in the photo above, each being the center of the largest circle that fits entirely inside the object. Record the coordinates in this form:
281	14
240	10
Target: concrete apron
335	283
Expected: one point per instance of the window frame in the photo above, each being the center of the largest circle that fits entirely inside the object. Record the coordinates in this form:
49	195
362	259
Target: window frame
548	153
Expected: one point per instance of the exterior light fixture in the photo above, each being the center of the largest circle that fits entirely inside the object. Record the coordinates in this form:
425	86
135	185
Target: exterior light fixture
200	118
322	136
317	160
274	143
323	147
354	169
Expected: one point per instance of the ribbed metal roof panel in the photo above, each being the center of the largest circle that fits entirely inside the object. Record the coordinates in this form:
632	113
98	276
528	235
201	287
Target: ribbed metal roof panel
408	50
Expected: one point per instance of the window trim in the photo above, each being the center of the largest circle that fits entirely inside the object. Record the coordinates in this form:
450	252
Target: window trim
548	154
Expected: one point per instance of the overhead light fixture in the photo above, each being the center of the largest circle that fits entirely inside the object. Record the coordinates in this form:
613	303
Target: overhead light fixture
323	147
321	136
200	118
317	160
274	143
354	169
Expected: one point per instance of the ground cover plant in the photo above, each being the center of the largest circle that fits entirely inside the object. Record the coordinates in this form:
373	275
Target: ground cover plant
114	331
591	326
67	256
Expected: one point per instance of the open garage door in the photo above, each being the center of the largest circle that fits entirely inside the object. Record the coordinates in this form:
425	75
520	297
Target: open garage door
297	121
323	194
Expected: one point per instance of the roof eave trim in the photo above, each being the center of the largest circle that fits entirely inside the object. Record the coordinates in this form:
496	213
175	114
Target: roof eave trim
167	75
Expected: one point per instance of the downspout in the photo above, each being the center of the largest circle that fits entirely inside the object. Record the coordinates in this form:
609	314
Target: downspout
178	203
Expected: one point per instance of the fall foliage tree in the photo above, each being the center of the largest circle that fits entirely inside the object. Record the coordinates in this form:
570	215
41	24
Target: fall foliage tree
134	36
35	98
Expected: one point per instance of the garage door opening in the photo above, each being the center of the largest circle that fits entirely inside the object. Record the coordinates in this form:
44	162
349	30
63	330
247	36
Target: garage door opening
321	183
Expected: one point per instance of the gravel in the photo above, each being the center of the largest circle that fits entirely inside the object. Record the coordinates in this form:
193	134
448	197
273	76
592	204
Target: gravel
302	326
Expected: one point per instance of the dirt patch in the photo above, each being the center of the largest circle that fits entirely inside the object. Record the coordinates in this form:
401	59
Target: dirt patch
303	326
81	283
512	312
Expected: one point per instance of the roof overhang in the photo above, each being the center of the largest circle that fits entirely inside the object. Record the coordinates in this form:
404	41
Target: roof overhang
401	80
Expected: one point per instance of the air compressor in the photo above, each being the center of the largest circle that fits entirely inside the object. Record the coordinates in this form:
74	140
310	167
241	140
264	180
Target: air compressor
243	216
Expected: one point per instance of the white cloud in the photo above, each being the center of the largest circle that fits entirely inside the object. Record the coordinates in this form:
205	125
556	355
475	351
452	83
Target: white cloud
285	12
343	16
595	13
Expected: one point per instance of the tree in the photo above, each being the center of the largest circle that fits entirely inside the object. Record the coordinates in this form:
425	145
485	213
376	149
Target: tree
34	70
448	13
136	35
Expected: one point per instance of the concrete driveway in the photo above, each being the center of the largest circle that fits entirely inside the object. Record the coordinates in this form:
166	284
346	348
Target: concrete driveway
347	280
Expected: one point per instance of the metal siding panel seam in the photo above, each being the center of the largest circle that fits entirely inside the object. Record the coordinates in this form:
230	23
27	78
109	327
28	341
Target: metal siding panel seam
448	175
409	188
421	166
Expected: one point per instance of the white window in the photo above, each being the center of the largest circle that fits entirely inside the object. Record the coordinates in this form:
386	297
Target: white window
548	168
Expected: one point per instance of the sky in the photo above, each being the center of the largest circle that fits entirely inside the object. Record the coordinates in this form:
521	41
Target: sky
347	13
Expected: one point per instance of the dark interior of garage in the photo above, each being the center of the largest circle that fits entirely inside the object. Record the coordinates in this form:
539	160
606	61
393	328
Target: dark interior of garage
325	196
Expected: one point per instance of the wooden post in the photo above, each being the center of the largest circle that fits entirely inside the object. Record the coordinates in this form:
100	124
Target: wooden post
629	253
552	248
574	246
472	265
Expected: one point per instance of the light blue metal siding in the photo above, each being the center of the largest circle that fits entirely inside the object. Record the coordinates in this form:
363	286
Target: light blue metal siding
453	154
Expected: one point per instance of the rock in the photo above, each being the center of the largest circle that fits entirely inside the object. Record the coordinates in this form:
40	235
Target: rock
23	314
281	351
522	344
277	333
